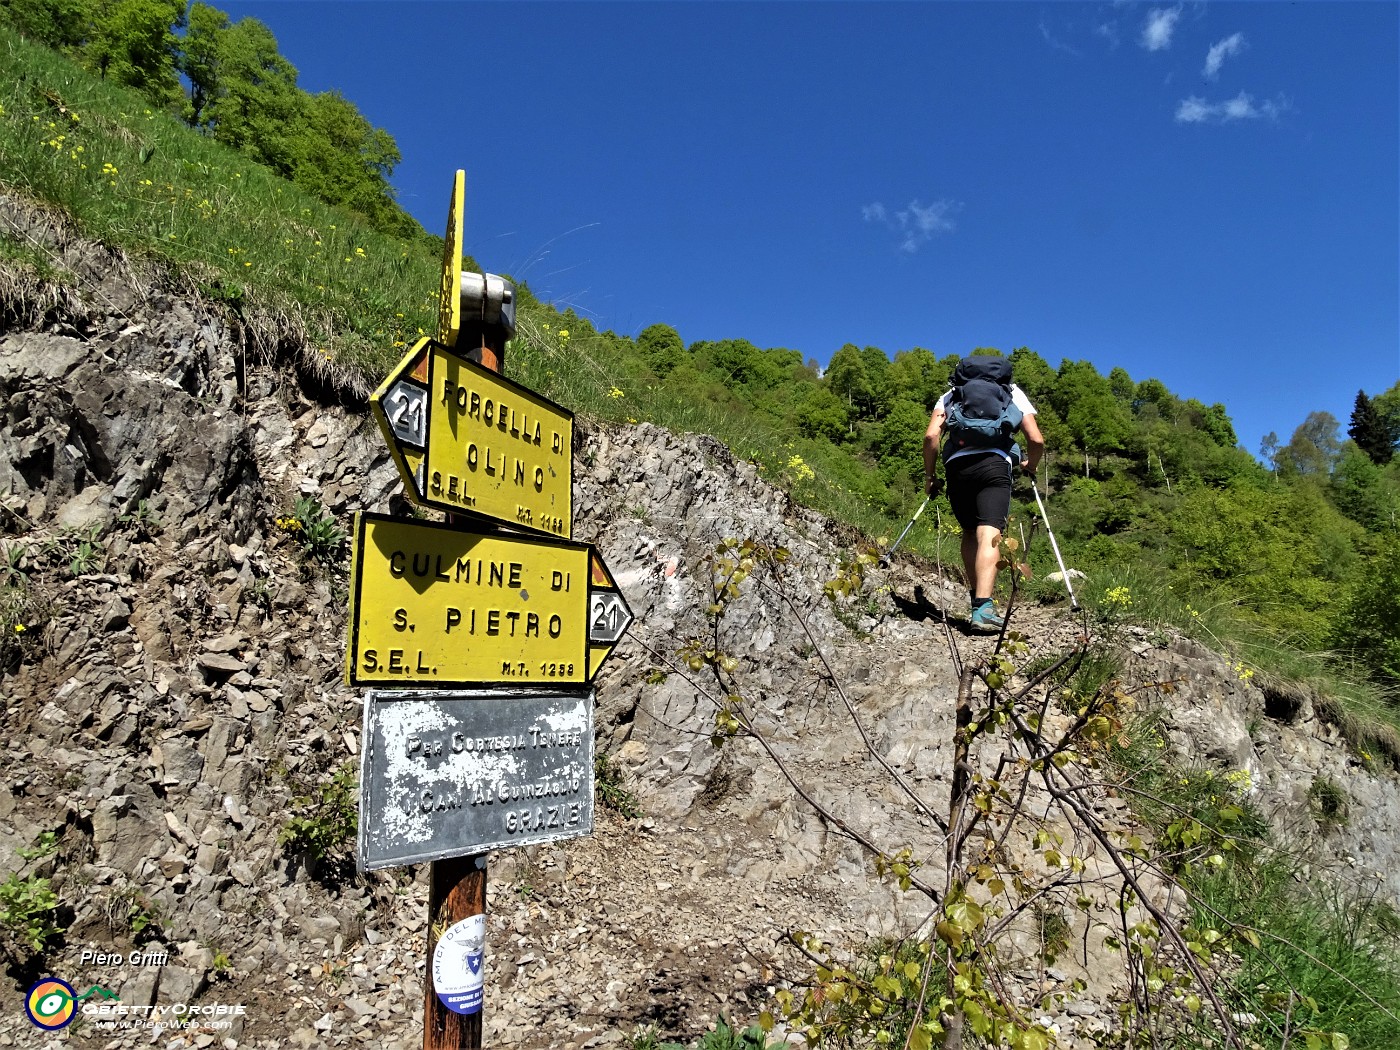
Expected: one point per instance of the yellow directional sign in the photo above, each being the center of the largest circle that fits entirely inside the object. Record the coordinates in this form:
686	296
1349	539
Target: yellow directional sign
450	295
432	605
469	441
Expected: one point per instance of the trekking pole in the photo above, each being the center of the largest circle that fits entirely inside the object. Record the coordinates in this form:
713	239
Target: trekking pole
885	558
1064	573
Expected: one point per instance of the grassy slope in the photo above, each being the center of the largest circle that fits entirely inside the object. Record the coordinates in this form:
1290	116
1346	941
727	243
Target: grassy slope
138	178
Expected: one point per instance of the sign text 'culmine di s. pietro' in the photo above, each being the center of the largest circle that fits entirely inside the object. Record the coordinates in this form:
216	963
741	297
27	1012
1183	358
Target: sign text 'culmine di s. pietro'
438	606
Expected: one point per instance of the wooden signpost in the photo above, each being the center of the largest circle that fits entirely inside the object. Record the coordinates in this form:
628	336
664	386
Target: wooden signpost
481	633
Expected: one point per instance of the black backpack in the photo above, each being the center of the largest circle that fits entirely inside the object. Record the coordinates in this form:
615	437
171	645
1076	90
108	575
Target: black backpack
981	414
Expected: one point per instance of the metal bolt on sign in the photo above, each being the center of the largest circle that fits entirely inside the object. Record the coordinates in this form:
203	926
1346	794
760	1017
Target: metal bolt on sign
490	298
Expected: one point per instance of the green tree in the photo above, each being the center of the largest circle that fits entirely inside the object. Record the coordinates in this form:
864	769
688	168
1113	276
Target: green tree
1079	509
1052	428
1358	488
1387	406
339	156
1216	423
244	93
734	361
1367	626
821	414
1369	430
847	379
1269	450
877	373
899	440
1098	421
661	348
1098	425
1313	448
133	43
1154	393
199	58
1034	376
1121	385
919	376
60	24
774	370
1282	551
248	92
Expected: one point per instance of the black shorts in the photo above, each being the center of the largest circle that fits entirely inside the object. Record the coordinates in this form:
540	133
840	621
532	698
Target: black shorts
979	488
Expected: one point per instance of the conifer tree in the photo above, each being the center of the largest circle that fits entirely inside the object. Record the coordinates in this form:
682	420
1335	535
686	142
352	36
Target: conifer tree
1369	431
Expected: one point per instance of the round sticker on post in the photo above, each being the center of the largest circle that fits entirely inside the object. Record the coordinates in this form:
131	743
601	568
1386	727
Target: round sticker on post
457	965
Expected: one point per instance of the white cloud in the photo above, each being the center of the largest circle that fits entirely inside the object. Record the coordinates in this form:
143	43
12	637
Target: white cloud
1196	110
916	224
1192	111
1219	52
1158	29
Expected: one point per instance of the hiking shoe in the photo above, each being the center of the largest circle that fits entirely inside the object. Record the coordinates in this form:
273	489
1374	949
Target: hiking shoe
986	620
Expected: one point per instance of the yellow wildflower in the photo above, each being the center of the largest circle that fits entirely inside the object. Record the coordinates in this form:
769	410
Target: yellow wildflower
1118	597
800	470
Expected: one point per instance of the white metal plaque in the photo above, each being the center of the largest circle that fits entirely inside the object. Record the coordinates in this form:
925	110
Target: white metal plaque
449	773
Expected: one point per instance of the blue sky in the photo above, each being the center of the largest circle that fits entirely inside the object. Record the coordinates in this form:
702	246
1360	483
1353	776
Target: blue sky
1205	193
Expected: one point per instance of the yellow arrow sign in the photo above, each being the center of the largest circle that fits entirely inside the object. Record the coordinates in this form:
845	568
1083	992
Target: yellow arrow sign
432	605
467	440
450	293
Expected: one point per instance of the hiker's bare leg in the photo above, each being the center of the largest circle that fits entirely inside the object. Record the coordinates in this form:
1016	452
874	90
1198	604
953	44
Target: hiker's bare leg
986	555
969	559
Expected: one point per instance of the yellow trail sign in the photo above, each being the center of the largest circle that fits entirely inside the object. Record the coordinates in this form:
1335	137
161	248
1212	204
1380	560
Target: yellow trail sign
470	441
450	294
433	605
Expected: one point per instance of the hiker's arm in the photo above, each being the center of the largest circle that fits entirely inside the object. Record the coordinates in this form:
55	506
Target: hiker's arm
1035	444
931	440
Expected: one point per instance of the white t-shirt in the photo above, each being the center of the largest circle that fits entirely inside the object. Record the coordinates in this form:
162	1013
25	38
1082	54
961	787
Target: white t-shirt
1018	398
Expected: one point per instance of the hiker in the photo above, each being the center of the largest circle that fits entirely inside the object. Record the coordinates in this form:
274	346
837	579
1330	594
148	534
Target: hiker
980	416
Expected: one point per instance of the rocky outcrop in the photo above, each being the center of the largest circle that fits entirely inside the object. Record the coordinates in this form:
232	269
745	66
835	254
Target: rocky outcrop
177	685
